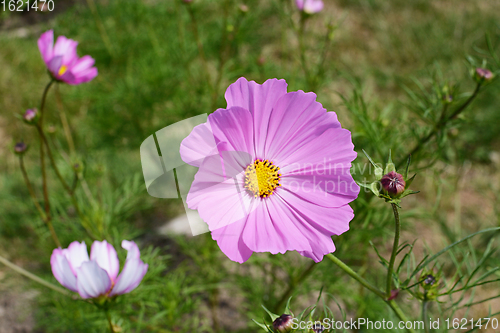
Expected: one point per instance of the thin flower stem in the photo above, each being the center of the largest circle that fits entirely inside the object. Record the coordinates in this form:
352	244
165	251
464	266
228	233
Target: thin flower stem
397	310
108	317
44	216
302	49
30	188
65	123
355	275
48	217
293	284
395	247
424	316
33	277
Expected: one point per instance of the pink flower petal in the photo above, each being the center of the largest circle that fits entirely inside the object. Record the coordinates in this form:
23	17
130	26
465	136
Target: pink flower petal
84	76
231	243
233	127
327	220
259	100
130	277
92	281
132	249
296	120
46	45
320	173
197	145
221	177
82	65
105	255
62	270
66	48
77	254
54	65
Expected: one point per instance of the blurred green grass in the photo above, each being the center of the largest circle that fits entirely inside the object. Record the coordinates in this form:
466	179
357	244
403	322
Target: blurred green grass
150	76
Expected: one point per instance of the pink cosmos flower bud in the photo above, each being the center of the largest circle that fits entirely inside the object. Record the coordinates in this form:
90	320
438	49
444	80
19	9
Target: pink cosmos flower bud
393	183
394	294
243	8
30	116
484	74
20	148
97	275
283	323
309	6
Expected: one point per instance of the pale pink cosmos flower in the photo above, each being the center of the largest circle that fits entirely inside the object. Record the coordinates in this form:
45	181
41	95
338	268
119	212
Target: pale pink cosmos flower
274	172
98	275
63	62
309	6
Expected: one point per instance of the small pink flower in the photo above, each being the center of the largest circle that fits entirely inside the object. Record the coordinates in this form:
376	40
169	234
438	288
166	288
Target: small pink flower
63	62
309	6
97	276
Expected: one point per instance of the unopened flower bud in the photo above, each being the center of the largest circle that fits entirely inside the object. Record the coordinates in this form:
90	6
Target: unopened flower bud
484	74
30	116
429	280
318	328
394	294
243	8
393	183
20	148
283	323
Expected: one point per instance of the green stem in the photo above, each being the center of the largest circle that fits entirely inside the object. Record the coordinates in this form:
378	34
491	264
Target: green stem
397	310
33	277
395	247
108	317
302	49
424	316
355	275
48	217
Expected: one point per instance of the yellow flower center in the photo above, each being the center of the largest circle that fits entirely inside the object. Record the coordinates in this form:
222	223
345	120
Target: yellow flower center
262	178
62	70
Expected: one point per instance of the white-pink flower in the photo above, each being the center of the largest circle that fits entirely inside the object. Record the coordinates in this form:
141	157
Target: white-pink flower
309	6
98	275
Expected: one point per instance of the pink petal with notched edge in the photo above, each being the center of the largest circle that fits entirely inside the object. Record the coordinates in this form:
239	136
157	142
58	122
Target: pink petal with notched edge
133	271
259	100
92	281
234	127
231	243
77	254
54	65
62	270
130	277
66	48
82	65
85	76
105	256
132	249
46	45
296	120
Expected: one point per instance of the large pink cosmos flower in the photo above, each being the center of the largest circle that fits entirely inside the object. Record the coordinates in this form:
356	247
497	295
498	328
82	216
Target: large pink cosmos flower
63	62
97	276
274	172
309	6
